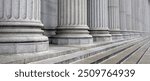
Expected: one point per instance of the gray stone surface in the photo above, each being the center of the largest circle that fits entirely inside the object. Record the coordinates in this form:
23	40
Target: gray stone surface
104	54
123	18
114	19
49	17
72	23
66	22
145	58
119	57
82	54
20	27
136	56
129	17
98	20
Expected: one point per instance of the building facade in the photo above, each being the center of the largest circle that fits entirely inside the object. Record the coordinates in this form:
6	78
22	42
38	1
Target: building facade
35	26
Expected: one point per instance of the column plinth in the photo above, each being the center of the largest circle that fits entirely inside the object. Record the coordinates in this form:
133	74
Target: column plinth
20	27
72	23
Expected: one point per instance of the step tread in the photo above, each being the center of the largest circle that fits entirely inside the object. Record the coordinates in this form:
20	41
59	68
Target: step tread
119	56
76	55
99	56
146	58
135	57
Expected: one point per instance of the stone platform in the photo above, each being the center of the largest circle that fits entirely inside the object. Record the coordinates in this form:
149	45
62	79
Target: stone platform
106	52
135	51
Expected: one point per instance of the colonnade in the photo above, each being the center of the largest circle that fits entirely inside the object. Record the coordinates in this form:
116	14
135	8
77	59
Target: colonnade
79	22
107	20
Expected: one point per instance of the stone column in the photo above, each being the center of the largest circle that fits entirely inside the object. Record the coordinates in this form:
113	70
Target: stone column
114	23
141	17
98	20
136	18
72	23
145	18
129	17
148	17
20	27
123	18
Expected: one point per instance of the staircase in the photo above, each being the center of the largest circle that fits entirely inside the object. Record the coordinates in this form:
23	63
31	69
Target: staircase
135	51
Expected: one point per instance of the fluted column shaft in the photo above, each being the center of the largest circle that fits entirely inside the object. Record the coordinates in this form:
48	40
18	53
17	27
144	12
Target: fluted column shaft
72	23
129	17
142	19
114	19
98	20
123	18
145	18
122	5
136	19
20	24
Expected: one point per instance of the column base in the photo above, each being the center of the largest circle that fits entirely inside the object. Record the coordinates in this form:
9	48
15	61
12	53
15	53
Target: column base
100	35
132	34
20	48
136	35
126	35
72	35
116	35
145	34
71	41
22	39
102	38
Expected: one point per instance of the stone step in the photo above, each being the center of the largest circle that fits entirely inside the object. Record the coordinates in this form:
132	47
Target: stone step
54	51
137	55
104	55
64	59
146	57
119	57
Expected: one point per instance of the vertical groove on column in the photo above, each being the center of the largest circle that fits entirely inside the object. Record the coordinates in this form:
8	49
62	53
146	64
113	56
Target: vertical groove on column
75	13
1	9
32	8
15	6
